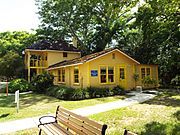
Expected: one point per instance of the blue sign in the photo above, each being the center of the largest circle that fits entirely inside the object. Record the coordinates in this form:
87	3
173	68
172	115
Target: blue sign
94	73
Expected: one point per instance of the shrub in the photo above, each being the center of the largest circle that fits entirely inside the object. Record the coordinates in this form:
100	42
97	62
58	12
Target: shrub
176	81
19	84
118	90
98	92
60	92
149	81
79	94
51	91
42	82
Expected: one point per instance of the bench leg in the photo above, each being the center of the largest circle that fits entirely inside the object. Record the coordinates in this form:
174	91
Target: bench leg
40	131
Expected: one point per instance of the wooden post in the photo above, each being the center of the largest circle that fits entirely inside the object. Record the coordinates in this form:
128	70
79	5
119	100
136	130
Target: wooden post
6	87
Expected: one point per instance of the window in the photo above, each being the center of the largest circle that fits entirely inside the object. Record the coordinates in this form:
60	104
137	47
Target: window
61	75
113	56
106	74
103	74
145	72
110	74
64	54
122	73
76	75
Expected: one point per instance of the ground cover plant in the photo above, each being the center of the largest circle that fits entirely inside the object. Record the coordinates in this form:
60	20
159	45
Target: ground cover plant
38	104
159	116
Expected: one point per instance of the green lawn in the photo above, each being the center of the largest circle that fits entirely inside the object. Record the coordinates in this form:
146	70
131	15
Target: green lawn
37	104
159	116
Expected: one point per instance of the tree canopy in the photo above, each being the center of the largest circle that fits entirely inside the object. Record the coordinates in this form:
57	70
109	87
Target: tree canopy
11	45
159	23
151	34
94	23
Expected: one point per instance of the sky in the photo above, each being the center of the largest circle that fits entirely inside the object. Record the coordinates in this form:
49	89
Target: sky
18	15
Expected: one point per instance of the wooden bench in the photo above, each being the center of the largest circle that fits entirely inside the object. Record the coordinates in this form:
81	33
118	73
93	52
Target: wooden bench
69	123
127	132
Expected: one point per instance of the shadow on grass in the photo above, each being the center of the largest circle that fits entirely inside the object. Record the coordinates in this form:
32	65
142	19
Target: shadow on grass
165	98
4	115
7	101
156	128
25	100
177	115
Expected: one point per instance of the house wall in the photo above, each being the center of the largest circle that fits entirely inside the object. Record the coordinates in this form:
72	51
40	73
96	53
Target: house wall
153	74
120	60
53	57
85	69
57	56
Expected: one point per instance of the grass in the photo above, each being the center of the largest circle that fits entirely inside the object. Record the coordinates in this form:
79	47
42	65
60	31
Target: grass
159	116
36	104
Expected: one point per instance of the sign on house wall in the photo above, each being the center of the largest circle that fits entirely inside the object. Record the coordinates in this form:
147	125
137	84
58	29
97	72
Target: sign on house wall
94	73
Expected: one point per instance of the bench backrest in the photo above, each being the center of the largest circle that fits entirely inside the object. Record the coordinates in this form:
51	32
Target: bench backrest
78	124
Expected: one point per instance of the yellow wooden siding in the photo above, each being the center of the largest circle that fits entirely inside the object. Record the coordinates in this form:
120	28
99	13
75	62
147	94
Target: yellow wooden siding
119	60
107	60
55	57
41	65
153	73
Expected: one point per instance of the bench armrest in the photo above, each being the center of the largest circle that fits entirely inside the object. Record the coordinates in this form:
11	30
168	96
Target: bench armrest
46	117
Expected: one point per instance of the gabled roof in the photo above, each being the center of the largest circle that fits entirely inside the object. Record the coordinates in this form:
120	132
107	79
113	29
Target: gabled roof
87	58
59	45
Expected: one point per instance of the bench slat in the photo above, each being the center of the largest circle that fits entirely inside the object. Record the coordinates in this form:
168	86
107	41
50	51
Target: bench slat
78	122
46	130
53	129
63	129
74	125
69	123
91	122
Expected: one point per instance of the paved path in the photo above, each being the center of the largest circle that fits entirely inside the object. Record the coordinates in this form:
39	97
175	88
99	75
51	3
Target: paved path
12	126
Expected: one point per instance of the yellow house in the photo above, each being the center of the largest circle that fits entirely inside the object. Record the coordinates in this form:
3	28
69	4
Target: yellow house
107	68
39	56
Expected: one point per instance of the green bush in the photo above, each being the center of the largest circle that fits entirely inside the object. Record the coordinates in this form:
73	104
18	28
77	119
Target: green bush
147	81
68	93
61	92
118	90
176	81
98	92
51	91
19	84
41	82
79	94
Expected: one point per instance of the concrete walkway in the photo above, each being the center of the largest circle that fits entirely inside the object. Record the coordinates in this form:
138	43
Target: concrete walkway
12	126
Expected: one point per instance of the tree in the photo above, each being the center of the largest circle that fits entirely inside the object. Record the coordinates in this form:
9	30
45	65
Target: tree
159	22
95	23
11	46
15	41
11	65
